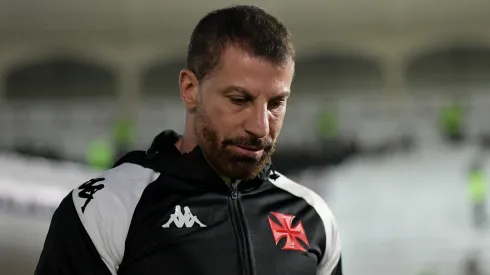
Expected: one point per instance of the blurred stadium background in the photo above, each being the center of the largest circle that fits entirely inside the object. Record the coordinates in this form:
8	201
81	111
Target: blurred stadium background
389	119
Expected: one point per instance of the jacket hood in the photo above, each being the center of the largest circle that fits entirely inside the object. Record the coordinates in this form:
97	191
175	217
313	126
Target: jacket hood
164	157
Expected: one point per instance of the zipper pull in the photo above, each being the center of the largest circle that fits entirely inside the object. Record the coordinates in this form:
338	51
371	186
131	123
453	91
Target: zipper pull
234	190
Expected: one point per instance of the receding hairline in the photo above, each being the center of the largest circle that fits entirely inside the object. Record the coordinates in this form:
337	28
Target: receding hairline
255	31
247	49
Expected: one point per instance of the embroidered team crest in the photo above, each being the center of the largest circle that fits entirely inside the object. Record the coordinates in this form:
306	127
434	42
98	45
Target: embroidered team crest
286	230
180	219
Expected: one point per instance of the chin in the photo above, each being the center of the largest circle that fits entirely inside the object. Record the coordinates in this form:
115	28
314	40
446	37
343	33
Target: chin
243	171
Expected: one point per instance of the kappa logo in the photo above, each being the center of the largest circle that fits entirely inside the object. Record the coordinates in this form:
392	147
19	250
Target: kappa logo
88	189
286	230
180	219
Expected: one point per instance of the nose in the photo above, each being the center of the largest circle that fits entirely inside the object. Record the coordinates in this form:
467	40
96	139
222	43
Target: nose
257	123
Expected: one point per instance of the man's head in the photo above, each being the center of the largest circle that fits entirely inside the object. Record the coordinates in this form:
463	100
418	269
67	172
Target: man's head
240	65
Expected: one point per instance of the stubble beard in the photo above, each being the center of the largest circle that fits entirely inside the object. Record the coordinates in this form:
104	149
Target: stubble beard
221	158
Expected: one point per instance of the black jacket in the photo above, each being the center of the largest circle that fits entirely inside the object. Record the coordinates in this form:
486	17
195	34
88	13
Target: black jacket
162	212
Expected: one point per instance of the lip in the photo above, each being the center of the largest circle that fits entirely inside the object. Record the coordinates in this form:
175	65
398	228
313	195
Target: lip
248	151
249	148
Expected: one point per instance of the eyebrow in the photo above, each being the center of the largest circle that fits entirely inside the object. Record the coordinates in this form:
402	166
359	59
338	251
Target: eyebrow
233	88
283	94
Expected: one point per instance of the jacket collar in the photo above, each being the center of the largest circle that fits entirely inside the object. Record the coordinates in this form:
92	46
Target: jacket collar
193	166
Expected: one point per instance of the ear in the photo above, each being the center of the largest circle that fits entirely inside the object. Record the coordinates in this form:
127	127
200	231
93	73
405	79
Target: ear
189	87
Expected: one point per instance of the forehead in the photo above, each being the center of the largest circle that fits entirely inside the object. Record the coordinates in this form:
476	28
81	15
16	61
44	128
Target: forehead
237	67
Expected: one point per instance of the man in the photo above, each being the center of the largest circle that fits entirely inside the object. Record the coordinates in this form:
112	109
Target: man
452	122
245	218
477	189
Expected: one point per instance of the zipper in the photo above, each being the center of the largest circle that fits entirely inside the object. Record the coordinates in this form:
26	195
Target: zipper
240	225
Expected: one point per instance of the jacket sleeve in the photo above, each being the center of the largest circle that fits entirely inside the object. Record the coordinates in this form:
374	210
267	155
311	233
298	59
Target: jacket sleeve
89	229
331	263
68	248
338	267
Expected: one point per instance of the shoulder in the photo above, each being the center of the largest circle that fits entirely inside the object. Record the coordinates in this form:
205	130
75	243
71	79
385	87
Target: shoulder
120	185
331	257
310	196
105	206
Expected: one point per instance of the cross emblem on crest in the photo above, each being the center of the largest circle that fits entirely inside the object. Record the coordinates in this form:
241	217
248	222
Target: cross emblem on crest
286	230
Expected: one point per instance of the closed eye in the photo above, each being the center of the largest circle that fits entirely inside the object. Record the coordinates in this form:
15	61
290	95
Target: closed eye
276	104
239	100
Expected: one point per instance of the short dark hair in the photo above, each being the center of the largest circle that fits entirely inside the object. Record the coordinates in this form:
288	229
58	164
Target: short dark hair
248	26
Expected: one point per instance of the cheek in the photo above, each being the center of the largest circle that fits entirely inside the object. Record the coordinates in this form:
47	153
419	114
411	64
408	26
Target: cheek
226	116
222	120
230	126
275	124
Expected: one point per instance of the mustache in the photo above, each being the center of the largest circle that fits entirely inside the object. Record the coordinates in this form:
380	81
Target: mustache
249	141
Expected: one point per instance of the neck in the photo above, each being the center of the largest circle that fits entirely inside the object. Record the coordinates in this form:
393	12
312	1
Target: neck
188	141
